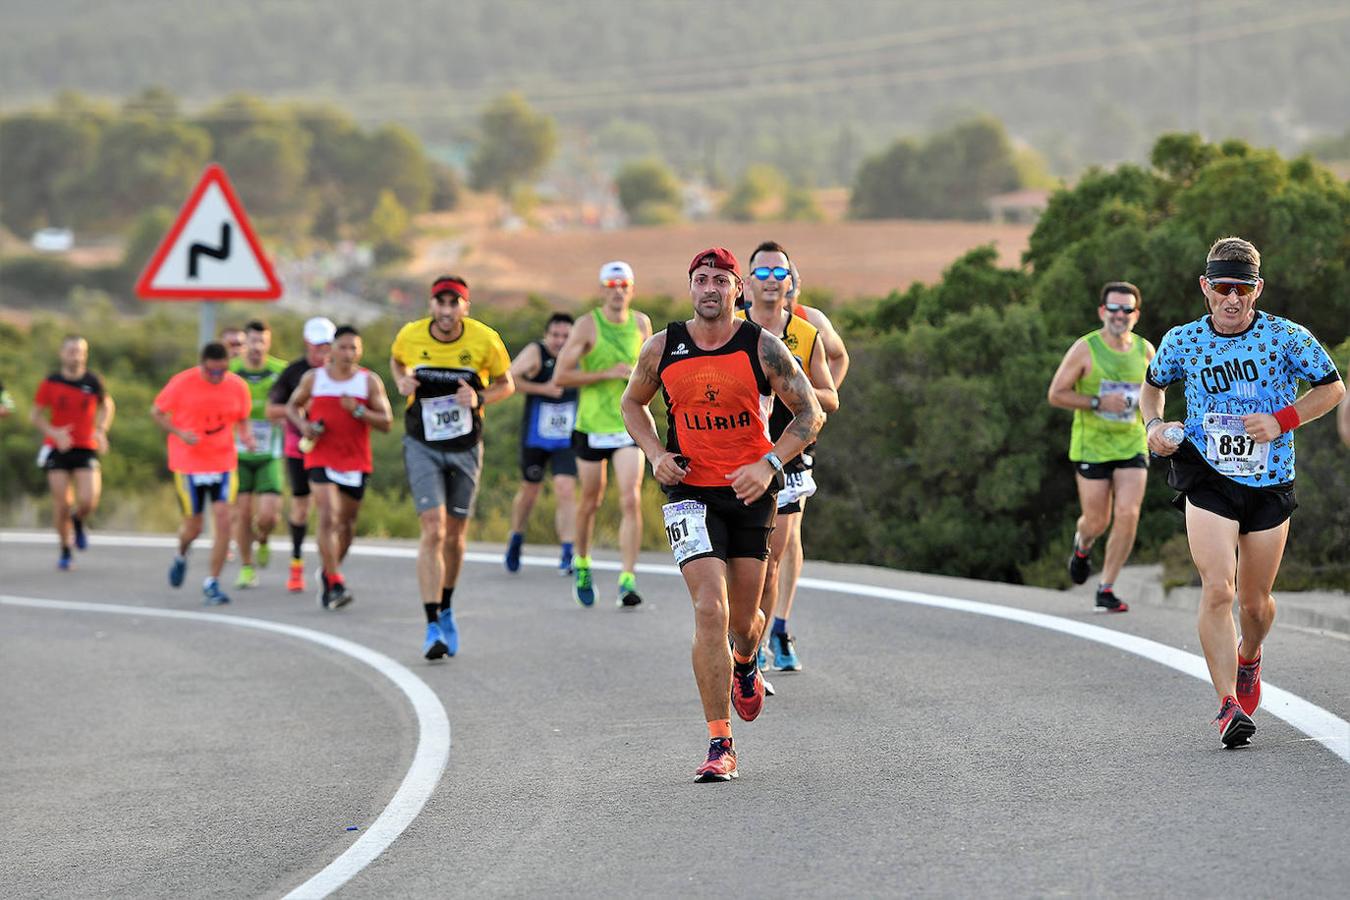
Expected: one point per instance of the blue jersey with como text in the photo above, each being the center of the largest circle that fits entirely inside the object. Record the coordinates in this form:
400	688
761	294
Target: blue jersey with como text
1256	371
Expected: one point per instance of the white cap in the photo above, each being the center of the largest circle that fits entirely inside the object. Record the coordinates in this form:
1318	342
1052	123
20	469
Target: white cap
319	331
616	269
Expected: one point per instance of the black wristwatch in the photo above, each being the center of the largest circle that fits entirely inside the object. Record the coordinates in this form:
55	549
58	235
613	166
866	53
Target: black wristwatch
1095	401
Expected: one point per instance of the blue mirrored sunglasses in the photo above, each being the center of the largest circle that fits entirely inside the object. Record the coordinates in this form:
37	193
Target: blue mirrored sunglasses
778	272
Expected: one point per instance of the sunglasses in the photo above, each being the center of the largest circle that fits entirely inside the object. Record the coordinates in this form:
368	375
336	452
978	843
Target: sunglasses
1119	308
214	374
778	272
615	283
1224	288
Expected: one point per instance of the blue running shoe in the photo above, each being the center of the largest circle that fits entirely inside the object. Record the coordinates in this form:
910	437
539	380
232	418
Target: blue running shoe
65	563
582	589
81	539
212	595
565	562
177	571
434	646
449	632
513	553
785	653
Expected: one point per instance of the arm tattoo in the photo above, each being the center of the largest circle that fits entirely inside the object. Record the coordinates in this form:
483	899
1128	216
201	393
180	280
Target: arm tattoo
790	383
650	359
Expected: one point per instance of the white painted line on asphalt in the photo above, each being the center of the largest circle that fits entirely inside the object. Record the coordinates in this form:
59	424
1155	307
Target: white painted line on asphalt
433	730
1317	723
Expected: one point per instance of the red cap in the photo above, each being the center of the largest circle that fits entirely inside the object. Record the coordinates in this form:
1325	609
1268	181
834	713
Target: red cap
449	286
718	258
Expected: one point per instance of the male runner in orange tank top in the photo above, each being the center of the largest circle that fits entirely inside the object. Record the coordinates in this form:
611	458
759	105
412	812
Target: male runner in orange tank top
719	375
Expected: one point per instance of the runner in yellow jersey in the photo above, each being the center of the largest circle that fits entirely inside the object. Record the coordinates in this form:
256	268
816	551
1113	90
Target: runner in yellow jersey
1100	379
598	358
768	286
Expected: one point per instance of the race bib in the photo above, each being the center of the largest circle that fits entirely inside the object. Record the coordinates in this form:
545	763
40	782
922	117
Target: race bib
443	419
609	441
1131	392
554	421
201	479
1230	448
687	529
262	437
348	479
799	486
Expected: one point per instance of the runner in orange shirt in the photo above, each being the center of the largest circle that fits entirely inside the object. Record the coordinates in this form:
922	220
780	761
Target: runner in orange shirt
202	409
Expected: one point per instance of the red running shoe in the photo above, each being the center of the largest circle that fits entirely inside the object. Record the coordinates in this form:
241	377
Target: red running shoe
296	582
721	762
1235	726
1249	684
747	690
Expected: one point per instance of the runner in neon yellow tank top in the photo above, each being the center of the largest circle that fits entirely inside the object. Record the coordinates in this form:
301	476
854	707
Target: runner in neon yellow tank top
598	357
259	472
1100	379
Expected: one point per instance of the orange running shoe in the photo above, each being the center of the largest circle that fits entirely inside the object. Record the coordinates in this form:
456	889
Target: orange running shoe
1249	684
747	690
1235	726
296	582
721	762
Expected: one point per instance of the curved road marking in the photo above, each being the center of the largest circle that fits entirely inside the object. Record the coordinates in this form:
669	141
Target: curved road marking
433	732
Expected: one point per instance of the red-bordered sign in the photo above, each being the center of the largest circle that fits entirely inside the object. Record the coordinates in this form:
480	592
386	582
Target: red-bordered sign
211	252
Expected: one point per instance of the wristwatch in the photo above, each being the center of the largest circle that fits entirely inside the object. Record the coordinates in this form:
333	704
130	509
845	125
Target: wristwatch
1095	401
358	411
772	459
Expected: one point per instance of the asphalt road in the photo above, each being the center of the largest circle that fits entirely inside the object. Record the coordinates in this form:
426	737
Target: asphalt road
923	751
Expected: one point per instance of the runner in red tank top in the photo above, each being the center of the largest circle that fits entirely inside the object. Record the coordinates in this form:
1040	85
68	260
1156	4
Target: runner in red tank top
335	407
719	375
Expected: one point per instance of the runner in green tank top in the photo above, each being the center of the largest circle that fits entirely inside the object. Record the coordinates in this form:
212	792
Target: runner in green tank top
1100	379
597	359
259	472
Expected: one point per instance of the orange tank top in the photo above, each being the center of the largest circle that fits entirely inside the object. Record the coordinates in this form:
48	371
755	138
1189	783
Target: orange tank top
717	401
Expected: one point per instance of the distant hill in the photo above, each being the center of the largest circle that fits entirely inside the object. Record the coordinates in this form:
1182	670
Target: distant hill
807	84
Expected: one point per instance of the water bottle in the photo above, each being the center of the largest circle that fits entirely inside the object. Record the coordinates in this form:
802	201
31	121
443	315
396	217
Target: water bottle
1175	435
307	443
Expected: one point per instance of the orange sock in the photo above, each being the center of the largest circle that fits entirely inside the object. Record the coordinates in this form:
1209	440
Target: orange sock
741	659
719	728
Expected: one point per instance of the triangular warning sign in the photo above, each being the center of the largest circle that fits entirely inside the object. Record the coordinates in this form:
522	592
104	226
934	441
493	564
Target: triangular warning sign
211	253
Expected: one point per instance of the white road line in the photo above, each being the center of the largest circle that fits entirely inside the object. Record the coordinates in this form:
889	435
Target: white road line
433	731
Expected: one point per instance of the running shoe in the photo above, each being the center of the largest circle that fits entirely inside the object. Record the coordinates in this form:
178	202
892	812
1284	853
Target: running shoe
81	539
449	631
264	554
628	595
296	582
720	764
565	563
322	593
1249	684
762	658
212	595
1235	726
785	653
513	552
337	596
747	690
177	571
1107	600
65	563
768	686
1080	567
247	578
582	589
434	646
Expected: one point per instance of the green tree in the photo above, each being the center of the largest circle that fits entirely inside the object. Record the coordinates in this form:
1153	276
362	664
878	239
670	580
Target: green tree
515	145
799	205
388	229
649	192
401	166
760	184
144	162
43	159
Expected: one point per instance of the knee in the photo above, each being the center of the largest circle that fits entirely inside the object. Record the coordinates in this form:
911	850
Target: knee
1094	523
710	611
433	530
1255	604
1217	593
1127	518
630	503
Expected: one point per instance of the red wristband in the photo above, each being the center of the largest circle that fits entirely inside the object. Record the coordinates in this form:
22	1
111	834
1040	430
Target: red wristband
1288	418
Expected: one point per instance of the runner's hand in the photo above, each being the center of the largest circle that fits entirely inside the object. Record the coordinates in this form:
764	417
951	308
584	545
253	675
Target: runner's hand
1262	426
407	385
348	403
751	481
1114	402
101	440
553	389
667	471
187	437
1158	443
620	370
60	436
466	396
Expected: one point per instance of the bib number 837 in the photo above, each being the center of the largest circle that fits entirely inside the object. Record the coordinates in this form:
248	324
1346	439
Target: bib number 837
1236	444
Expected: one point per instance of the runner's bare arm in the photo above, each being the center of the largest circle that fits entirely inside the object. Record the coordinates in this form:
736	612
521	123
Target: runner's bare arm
567	371
1343	422
822	382
1076	363
299	400
637	416
836	354
404	380
525	366
42	421
378	412
1151	400
500	388
165	421
1317	402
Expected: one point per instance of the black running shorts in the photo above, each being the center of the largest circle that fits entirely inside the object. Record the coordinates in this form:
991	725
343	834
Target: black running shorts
703	522
1253	508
